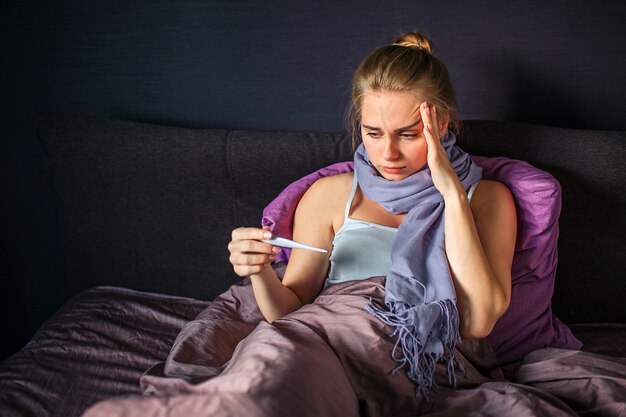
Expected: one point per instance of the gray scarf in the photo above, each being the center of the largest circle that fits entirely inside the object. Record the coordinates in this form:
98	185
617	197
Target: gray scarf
420	296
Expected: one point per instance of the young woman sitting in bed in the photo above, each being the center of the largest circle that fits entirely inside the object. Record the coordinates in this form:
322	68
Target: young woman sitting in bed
414	210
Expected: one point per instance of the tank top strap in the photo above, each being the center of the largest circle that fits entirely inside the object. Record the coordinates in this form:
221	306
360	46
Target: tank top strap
352	193
471	190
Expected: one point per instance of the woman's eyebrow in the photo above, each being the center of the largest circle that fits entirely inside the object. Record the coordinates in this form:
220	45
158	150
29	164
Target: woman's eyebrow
397	130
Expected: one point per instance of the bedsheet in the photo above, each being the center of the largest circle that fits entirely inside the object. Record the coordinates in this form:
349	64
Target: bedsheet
331	357
95	347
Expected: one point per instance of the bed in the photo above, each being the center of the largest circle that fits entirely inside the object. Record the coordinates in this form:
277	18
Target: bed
160	325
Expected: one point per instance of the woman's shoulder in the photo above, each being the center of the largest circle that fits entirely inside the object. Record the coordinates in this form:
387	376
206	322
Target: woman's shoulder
491	196
492	185
331	186
334	182
328	193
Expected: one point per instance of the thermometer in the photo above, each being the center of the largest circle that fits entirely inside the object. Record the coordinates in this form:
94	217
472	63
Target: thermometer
288	243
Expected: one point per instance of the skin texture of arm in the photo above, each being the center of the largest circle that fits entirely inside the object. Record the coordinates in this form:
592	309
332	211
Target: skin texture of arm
480	239
306	270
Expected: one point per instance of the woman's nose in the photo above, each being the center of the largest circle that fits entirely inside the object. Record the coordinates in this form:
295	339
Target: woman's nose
391	150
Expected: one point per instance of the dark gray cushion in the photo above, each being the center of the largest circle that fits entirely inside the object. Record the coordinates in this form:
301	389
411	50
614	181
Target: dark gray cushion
152	207
139	205
264	163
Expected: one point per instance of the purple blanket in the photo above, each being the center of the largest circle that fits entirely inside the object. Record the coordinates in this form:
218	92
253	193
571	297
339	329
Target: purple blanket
332	358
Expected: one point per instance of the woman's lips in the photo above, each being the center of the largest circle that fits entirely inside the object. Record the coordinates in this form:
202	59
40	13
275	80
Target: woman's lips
392	170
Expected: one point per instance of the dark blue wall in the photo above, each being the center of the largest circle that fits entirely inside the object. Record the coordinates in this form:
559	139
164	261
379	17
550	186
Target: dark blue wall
270	65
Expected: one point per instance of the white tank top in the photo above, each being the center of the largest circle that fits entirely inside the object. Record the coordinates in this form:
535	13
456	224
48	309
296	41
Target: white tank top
362	249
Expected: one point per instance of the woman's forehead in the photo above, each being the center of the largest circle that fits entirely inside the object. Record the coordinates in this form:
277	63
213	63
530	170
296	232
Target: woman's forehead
394	107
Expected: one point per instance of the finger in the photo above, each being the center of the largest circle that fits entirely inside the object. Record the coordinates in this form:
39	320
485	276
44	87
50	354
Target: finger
434	120
426	116
243	259
429	132
244	233
246	270
252	246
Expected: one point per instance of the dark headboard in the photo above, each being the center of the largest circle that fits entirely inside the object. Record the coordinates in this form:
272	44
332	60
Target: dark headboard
152	207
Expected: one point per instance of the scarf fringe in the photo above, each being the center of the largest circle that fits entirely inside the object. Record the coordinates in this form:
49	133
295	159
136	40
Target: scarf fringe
421	362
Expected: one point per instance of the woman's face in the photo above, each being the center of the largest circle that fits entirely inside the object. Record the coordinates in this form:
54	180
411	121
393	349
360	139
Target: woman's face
392	131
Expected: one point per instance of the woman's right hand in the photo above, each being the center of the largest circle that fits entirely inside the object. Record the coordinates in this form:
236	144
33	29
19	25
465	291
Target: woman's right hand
247	253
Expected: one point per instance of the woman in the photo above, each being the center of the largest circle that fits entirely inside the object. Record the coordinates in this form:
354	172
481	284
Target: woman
403	106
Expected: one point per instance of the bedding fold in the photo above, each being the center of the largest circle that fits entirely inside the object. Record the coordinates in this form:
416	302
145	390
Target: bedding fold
332	358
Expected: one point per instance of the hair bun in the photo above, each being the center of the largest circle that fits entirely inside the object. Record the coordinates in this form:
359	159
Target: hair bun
417	40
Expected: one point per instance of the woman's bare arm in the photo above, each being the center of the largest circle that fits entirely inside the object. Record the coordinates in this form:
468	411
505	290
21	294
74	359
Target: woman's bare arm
306	269
480	241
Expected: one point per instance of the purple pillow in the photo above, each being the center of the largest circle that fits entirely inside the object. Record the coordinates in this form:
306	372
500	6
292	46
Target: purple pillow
528	324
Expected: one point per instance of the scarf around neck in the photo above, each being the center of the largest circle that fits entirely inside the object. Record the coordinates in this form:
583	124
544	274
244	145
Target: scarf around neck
419	293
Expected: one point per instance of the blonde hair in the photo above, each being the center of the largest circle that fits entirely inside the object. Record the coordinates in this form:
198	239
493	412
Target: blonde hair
407	64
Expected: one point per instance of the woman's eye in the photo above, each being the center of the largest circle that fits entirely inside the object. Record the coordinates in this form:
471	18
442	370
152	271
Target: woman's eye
373	134
408	135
